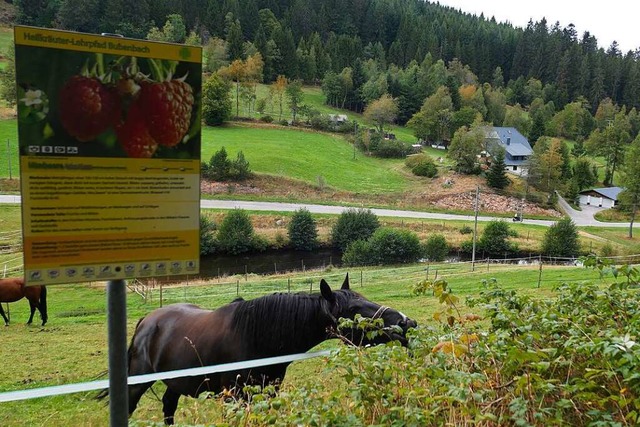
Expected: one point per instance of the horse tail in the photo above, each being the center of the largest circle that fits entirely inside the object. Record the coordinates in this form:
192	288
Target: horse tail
105	392
43	305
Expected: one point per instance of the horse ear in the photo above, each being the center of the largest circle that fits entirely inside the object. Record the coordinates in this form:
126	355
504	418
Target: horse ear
345	284
326	291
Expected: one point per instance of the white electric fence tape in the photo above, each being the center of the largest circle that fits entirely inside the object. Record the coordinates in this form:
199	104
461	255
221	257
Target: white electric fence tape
140	379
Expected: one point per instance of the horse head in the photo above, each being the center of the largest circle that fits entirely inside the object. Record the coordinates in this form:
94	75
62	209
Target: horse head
346	303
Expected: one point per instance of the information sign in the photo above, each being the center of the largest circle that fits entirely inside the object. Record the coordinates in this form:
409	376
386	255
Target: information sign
109	136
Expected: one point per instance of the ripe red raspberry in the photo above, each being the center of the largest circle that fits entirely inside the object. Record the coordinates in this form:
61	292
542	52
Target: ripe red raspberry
87	107
134	135
167	109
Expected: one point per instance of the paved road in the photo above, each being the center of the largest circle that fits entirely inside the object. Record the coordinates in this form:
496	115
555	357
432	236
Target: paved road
581	218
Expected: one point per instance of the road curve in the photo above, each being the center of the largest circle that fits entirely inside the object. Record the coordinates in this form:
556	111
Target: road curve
580	218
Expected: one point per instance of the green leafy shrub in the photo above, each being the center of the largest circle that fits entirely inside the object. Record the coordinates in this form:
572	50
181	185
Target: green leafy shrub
385	246
220	168
436	248
266	118
495	239
207	238
422	165
357	253
353	224
465	229
216	100
303	231
391	149
393	246
561	239
236	234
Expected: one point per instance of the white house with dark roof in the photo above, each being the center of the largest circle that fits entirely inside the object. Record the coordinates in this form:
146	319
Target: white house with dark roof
517	148
600	197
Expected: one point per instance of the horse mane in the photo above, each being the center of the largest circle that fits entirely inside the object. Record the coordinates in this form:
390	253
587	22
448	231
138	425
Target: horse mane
282	323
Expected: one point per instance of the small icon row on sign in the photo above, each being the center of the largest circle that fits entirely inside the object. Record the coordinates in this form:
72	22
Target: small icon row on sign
111	271
52	149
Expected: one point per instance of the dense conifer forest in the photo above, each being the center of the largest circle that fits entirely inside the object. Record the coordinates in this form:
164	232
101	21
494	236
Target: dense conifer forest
306	39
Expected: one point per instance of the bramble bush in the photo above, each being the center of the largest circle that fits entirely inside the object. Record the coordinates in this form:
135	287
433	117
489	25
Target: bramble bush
571	360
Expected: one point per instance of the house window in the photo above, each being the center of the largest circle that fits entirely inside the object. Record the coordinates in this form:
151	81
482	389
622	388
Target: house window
515	168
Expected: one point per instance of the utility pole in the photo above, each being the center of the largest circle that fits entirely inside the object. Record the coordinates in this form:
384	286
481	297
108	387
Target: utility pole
9	157
475	230
355	137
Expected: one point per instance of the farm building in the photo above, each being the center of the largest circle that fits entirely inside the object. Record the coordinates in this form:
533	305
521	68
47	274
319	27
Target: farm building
517	148
601	197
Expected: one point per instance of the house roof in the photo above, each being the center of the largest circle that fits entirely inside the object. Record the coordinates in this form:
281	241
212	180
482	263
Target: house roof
511	140
608	192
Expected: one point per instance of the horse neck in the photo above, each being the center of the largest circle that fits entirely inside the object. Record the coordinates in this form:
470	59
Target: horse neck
283	323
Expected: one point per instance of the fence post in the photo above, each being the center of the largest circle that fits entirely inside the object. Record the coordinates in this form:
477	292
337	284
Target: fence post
540	271
361	281
237	287
160	294
487	264
436	277
245	273
427	271
275	268
289	284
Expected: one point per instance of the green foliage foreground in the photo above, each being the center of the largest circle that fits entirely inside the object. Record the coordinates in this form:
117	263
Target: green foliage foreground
567	361
562	358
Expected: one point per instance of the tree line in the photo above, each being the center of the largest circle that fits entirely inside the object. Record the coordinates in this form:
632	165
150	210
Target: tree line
306	39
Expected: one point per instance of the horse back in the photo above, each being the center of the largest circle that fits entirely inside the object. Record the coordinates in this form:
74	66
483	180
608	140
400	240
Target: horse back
181	336
12	289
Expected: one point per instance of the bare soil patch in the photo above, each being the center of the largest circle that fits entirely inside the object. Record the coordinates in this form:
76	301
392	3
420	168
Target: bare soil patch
450	192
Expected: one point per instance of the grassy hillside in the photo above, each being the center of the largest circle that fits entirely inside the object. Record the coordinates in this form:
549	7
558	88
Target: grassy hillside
308	156
314	97
279	151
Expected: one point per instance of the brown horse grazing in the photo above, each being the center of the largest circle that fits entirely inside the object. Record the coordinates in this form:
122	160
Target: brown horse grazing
13	289
183	336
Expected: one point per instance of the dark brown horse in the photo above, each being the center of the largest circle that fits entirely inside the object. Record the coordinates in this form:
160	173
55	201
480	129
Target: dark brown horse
13	289
183	336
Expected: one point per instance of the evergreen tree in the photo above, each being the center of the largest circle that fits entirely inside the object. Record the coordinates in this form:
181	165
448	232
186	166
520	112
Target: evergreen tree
294	97
561	239
235	41
303	231
219	165
216	100
496	175
236	234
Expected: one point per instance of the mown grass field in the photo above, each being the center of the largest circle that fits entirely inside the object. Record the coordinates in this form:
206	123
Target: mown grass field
308	156
72	347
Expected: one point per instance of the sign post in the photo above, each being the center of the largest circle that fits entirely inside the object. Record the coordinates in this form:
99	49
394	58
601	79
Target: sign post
118	369
109	141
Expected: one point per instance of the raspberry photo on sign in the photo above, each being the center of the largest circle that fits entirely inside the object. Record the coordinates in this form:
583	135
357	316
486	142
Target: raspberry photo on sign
108	104
109	135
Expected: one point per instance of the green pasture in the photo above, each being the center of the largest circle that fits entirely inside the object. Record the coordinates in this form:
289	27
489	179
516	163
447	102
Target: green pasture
9	149
72	347
307	156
